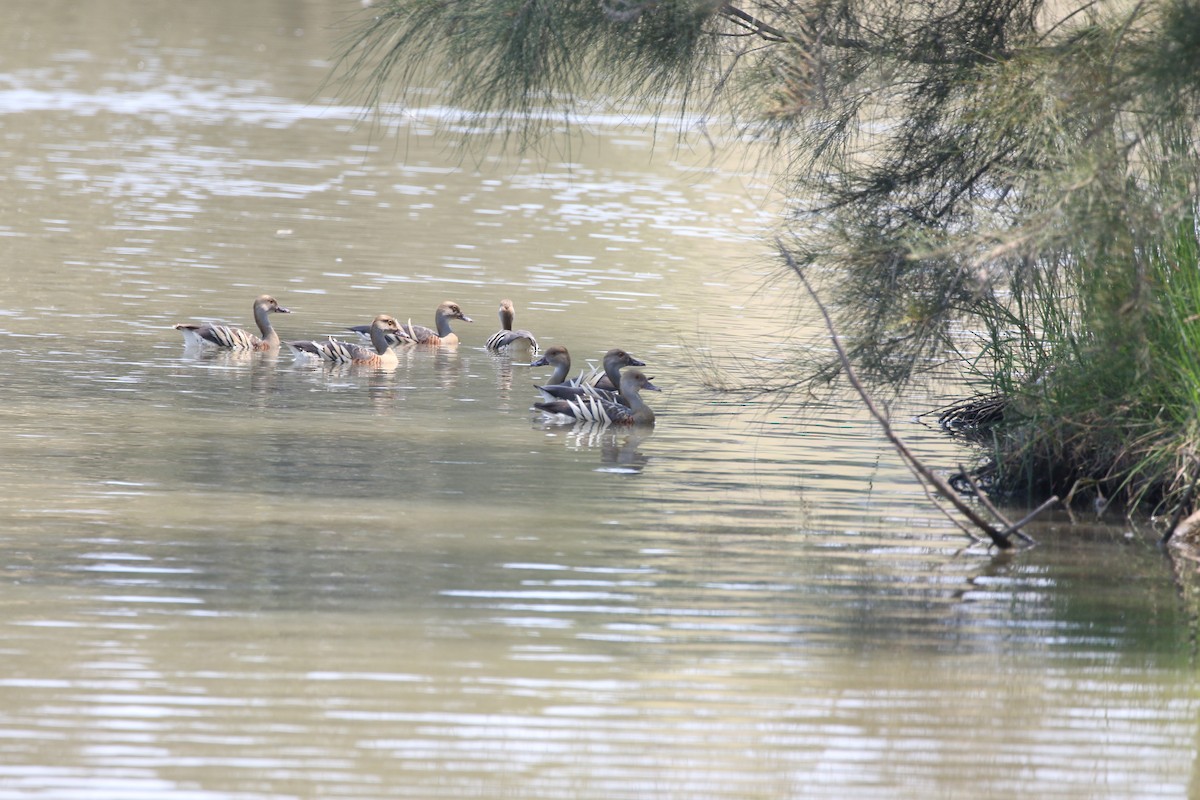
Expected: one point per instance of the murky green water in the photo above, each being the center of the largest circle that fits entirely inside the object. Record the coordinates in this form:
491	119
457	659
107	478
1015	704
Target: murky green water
239	577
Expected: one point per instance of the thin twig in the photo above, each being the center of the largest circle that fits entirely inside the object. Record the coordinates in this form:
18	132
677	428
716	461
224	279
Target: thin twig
1015	528
755	26
1009	527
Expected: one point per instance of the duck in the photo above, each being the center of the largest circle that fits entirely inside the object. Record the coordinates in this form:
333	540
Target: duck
419	334
558	357
229	338
610	378
598	383
593	408
506	337
335	352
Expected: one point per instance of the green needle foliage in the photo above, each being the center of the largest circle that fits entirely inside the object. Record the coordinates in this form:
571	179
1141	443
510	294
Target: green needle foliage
1024	170
531	62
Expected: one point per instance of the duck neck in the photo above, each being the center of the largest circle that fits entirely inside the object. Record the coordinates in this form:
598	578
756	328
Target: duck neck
443	324
379	339
613	370
561	370
262	317
506	320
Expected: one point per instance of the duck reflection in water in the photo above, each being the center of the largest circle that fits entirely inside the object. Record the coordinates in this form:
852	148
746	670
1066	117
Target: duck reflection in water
262	367
618	445
503	360
383	392
619	449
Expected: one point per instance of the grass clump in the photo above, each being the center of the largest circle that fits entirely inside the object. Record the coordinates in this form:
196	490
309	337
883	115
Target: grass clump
1100	400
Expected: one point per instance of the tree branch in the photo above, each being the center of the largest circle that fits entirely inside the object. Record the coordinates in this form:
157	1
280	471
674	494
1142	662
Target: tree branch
750	23
943	488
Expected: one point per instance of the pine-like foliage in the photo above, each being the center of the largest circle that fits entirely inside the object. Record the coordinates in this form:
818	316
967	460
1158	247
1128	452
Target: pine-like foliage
520	65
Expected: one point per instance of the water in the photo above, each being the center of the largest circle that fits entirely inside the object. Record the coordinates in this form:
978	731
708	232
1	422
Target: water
236	577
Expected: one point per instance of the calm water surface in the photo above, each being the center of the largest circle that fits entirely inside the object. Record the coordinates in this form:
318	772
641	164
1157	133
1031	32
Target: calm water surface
235	577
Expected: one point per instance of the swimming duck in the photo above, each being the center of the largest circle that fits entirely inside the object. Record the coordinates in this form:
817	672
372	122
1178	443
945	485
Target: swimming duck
592	408
555	356
237	338
506	337
419	334
335	352
597	383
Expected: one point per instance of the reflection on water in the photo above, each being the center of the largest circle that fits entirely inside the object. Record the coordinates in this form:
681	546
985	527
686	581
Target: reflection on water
619	447
235	575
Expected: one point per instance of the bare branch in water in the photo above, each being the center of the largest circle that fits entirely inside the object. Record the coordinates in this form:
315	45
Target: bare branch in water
998	538
1009	527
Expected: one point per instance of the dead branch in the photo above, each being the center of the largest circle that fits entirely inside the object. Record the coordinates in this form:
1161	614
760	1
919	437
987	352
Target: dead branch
1015	528
1009	527
998	538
